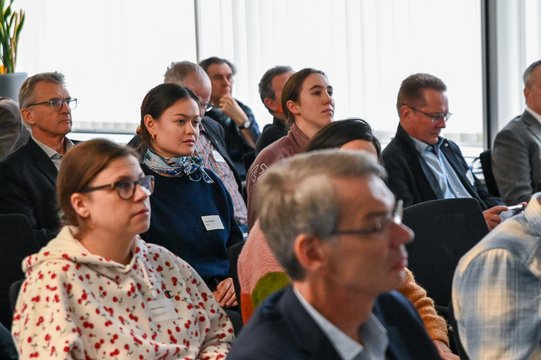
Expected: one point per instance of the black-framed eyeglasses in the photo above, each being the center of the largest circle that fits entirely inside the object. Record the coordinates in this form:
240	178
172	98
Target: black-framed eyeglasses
126	188
380	226
433	116
56	103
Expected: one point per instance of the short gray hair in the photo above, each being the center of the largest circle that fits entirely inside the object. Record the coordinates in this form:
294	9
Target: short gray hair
297	196
178	71
529	70
26	93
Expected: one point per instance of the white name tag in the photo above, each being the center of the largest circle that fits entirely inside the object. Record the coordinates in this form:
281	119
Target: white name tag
212	222
162	309
217	156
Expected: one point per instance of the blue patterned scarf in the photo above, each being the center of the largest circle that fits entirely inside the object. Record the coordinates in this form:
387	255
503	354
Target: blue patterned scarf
177	167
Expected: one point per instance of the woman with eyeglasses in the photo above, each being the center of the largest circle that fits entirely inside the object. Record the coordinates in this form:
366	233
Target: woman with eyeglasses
98	290
192	211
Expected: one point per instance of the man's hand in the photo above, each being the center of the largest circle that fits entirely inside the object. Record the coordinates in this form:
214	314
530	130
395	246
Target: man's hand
444	351
230	106
492	216
225	293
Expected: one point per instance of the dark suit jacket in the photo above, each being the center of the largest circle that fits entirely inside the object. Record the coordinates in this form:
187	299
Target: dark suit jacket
516	159
282	329
408	181
216	135
27	186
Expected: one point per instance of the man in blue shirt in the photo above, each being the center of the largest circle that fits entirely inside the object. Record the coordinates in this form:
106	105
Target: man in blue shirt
420	163
336	229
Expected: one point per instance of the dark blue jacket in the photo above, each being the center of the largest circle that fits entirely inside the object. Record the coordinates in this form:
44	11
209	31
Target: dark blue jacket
282	329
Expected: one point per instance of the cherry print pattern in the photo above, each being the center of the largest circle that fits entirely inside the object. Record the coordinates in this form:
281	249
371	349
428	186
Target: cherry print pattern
74	304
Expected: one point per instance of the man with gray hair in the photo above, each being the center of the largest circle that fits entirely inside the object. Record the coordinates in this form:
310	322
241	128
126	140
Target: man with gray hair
422	165
336	229
28	176
516	155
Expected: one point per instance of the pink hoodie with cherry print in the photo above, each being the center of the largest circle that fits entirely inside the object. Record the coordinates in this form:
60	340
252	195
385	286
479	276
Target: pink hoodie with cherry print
76	305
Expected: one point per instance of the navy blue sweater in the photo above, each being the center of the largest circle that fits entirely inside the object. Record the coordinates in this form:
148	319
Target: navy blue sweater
177	207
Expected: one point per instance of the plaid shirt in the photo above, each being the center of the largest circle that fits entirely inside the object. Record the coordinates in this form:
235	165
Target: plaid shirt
497	290
207	151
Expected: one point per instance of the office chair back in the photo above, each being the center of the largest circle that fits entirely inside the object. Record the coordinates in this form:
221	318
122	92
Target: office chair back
17	241
486	165
444	231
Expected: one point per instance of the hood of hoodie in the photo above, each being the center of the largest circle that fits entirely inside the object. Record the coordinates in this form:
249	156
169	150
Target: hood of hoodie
66	248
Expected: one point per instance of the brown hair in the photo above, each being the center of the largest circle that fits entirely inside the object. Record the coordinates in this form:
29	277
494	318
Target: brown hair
292	90
79	167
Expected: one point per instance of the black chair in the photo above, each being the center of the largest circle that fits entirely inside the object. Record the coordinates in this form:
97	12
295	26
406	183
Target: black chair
486	165
233	253
17	241
14	289
456	338
444	231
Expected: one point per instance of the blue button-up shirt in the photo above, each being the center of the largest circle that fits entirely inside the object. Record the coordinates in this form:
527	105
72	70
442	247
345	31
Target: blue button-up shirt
497	290
448	181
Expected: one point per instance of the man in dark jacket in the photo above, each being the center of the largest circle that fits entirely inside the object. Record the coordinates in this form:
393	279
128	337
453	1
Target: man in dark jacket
339	236
28	176
422	165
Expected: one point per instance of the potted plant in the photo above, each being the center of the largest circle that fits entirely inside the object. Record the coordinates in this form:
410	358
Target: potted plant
11	24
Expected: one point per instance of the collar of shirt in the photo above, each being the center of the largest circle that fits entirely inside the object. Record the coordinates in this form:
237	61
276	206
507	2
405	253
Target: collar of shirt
534	114
372	332
422	146
52	154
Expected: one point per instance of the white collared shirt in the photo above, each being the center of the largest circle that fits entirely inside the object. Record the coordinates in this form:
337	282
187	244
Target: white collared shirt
534	114
372	332
55	157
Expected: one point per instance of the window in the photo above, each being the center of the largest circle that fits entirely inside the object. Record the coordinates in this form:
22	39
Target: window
113	51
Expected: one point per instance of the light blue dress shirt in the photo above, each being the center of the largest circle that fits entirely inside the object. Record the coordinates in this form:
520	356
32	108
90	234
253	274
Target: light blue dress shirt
449	184
372	332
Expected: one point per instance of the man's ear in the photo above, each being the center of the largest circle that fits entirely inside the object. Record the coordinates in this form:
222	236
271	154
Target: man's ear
28	117
292	107
309	251
270	103
79	202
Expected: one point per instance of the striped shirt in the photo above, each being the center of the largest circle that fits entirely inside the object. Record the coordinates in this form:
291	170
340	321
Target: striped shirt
214	161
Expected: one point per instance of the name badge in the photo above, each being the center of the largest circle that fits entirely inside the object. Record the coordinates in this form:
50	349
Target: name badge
217	156
212	222
162	309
